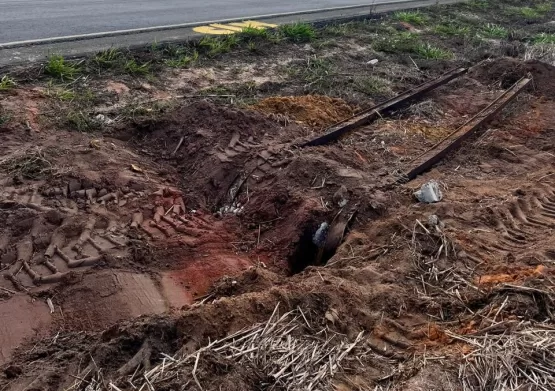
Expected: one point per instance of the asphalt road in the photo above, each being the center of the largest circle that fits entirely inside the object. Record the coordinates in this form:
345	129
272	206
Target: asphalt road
22	20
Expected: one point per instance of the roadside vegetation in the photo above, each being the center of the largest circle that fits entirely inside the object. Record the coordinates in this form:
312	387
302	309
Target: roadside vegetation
6	83
358	60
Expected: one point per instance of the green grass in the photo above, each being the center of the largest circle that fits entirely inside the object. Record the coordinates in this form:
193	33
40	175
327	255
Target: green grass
451	30
404	42
544	8
252	47
7	83
341	29
59	93
134	68
371	85
182	60
543	38
80	121
251	33
431	52
491	30
410	43
216	46
315	72
108	58
412	17
531	13
58	67
298	32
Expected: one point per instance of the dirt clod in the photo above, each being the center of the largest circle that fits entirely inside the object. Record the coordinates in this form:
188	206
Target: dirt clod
506	71
313	110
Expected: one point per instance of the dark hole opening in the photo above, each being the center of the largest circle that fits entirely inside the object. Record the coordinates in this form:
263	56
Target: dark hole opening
307	253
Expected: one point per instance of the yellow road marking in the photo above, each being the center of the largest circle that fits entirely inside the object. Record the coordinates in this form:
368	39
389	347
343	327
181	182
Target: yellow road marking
231	28
254	23
212	30
226	27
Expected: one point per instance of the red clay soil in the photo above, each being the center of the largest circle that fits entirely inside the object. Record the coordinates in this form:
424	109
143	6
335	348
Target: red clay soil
230	216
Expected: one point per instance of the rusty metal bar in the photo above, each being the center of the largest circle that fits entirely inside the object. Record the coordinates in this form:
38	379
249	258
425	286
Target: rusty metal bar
452	142
340	129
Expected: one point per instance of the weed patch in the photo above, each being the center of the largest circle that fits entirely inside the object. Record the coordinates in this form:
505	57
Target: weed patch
31	164
298	32
59	68
371	85
543	38
182	60
530	13
413	17
431	52
491	30
108	58
216	46
134	68
7	83
80	121
58	92
252	33
400	43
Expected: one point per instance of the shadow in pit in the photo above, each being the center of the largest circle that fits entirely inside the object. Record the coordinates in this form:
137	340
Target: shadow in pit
307	253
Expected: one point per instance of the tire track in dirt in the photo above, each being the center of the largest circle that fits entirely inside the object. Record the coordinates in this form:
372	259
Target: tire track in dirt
55	241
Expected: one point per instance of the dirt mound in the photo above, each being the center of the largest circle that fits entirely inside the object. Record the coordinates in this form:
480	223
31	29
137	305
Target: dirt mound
209	146
313	110
506	71
327	298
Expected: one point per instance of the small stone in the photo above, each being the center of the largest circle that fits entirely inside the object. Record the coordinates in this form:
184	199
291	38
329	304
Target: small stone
340	197
433	220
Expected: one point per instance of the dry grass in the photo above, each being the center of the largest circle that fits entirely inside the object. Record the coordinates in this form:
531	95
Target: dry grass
31	163
521	357
288	350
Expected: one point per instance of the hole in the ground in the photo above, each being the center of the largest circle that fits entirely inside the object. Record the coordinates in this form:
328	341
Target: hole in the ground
307	253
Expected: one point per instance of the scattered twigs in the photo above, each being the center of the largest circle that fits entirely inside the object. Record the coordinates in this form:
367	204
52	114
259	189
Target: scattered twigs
178	146
520	358
286	349
31	163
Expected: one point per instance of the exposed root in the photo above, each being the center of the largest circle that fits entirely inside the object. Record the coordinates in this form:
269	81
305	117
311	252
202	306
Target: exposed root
142	357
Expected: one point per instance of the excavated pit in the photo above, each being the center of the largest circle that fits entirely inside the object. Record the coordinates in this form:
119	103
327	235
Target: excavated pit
151	227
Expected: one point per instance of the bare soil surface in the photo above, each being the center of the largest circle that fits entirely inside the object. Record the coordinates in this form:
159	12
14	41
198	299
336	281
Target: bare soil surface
176	244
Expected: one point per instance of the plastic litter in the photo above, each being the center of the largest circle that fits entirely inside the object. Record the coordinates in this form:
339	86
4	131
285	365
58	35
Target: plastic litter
429	192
